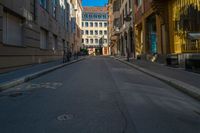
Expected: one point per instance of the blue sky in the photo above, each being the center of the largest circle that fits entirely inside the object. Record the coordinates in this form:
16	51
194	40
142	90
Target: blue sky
94	2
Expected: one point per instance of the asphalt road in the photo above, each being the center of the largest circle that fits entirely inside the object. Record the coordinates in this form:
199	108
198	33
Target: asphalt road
97	95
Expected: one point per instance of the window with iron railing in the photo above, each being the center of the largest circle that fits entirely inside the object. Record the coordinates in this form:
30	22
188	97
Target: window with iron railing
116	6
43	3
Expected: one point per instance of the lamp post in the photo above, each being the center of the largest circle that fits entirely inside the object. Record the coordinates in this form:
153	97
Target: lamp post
127	20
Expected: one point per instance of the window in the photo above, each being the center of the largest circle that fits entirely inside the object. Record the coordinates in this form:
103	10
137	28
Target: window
138	2
105	41
91	24
105	24
91	32
43	3
32	15
87	41
86	24
82	40
95	16
55	43
86	32
126	8
67	17
90	15
123	17
96	32
100	25
116	6
105	32
96	24
104	16
96	41
82	24
130	3
12	29
100	32
54	3
43	39
86	16
82	32
91	41
63	16
99	16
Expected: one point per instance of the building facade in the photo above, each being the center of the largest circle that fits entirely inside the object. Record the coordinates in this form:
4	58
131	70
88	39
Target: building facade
33	31
114	26
95	30
76	18
161	29
126	29
121	33
184	29
151	30
164	28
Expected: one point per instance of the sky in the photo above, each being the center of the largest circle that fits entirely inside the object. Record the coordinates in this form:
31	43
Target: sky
94	2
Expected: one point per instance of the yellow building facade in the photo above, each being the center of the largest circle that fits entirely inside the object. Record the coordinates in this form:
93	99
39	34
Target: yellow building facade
184	26
167	27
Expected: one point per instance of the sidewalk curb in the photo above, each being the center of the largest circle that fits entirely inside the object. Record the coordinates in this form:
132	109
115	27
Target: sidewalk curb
29	77
184	87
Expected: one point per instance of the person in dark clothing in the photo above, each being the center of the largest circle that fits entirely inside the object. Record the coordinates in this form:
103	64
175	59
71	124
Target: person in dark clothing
68	56
128	54
64	56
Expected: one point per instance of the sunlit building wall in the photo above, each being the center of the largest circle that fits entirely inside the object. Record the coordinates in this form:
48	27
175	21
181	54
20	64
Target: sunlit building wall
185	26
95	29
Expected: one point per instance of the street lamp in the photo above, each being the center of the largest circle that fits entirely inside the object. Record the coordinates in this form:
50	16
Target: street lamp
127	20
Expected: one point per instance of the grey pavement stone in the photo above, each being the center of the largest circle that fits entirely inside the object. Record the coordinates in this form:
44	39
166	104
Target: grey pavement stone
173	76
29	73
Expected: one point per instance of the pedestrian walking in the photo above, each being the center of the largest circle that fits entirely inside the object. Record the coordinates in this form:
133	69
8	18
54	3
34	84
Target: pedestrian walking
128	54
64	57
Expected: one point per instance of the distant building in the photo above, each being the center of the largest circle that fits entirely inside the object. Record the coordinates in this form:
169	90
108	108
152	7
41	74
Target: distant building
95	30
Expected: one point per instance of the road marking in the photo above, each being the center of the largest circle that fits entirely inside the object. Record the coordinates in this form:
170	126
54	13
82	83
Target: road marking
46	85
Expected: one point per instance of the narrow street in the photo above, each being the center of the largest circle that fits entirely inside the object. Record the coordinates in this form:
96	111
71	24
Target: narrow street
97	95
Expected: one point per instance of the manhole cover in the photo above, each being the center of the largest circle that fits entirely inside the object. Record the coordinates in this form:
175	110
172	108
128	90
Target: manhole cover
65	117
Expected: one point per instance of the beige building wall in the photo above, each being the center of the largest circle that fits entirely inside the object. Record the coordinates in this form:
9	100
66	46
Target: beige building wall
77	18
31	33
126	29
114	26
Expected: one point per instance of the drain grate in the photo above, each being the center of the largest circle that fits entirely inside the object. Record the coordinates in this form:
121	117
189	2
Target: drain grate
65	117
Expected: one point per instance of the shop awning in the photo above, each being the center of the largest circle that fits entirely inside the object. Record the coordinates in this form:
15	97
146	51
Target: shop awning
194	36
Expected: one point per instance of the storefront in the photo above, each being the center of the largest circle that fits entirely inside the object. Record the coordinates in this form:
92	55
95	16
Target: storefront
151	36
185	26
